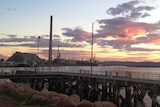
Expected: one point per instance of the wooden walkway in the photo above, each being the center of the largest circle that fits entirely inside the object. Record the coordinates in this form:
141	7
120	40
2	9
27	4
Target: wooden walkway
69	75
111	85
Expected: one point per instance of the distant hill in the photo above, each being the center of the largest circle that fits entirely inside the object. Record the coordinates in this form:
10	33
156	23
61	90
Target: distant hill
133	64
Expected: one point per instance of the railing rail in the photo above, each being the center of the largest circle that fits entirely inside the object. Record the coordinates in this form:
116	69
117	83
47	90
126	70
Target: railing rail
114	73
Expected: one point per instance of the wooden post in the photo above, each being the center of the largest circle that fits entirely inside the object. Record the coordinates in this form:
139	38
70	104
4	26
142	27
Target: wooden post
128	96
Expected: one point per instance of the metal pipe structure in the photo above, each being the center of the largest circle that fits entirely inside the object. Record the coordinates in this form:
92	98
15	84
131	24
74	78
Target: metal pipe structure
38	46
50	43
92	48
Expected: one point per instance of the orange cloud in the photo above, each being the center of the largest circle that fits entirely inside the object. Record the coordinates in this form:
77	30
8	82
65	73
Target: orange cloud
133	31
155	41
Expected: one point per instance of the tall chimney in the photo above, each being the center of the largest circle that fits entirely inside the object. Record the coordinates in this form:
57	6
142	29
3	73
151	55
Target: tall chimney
50	43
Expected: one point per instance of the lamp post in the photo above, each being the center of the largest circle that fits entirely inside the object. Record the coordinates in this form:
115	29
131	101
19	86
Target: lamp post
38	46
92	48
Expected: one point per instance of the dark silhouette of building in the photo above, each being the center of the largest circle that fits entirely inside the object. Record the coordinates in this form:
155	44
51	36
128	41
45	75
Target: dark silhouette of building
26	58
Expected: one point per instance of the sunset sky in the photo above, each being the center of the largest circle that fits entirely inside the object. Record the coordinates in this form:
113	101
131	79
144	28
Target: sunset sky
124	30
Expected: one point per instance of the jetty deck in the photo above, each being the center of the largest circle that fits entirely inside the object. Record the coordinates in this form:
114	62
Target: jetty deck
87	85
69	75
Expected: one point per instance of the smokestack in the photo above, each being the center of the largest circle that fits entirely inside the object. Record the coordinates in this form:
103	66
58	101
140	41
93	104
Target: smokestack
50	43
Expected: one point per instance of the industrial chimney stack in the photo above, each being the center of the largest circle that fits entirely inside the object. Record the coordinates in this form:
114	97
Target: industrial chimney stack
50	43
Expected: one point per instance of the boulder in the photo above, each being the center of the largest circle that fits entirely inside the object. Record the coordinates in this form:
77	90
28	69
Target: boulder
56	97
53	93
24	88
8	102
63	95
8	86
55	100
85	103
49	97
45	93
75	99
40	98
104	104
65	102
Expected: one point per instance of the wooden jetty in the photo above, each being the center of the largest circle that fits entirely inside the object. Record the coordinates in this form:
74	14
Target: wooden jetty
94	87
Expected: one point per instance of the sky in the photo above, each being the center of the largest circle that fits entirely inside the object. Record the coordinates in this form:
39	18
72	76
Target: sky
123	30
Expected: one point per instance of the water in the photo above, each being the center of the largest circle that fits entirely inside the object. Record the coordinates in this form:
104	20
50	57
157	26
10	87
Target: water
152	73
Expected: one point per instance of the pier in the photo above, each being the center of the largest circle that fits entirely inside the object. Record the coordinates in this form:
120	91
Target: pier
96	87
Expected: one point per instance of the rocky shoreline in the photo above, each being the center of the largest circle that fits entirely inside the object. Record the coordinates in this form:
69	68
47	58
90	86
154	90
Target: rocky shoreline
21	95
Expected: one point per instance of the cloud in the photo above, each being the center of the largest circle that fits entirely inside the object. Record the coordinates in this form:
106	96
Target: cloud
12	9
124	28
122	32
128	45
3	57
69	54
122	8
32	41
130	9
77	34
15	38
152	38
12	36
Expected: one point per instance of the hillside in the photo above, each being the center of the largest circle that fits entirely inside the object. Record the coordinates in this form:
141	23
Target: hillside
133	64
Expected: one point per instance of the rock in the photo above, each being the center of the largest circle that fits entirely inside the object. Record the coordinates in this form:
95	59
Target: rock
8	102
53	93
49	97
21	88
57	98
45	93
85	103
52	97
25	92
63	95
25	88
65	102
104	104
8	86
75	99
39	97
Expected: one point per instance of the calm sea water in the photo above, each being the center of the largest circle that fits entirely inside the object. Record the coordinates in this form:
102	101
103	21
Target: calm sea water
134	72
